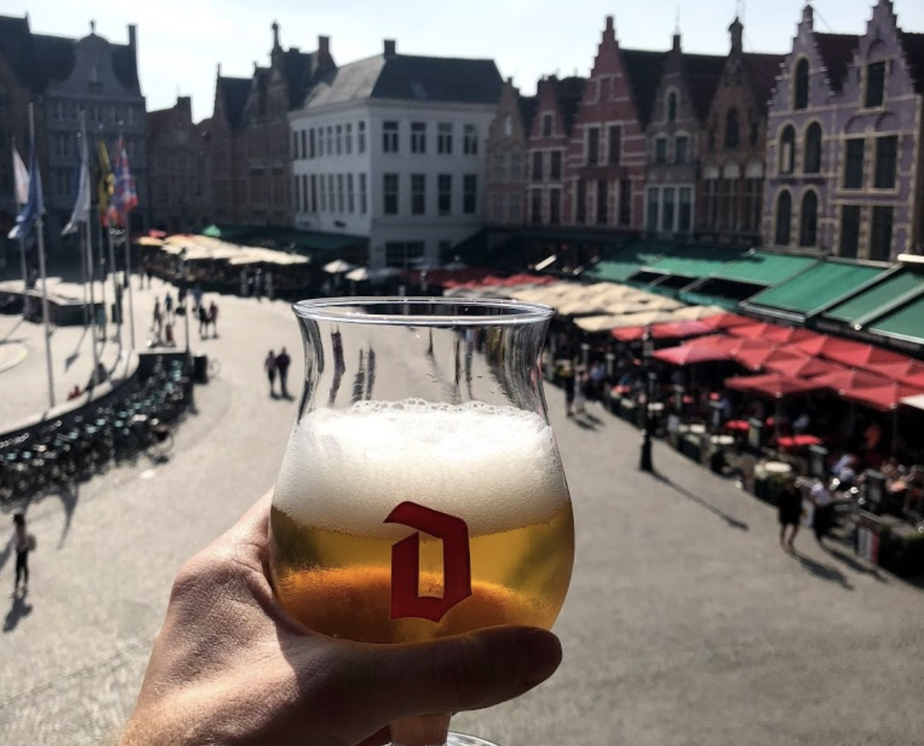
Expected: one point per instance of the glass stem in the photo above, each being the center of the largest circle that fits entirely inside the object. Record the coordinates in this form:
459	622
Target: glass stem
423	730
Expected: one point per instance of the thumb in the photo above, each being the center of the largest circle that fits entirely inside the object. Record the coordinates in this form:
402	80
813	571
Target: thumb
467	672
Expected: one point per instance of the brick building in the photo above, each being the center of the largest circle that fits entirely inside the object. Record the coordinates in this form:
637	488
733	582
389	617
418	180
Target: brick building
730	194
675	134
506	149
179	174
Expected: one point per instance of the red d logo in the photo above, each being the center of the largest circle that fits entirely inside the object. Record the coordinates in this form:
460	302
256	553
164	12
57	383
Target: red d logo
405	563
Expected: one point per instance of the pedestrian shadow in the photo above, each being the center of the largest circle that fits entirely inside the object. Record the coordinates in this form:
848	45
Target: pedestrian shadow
857	567
21	608
729	519
823	571
11	332
75	355
585	423
69	495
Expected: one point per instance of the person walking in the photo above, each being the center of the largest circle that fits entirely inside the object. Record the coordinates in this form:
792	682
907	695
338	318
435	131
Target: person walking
568	374
282	365
203	321
824	511
158	321
168	305
23	543
197	296
213	317
269	365
789	509
149	274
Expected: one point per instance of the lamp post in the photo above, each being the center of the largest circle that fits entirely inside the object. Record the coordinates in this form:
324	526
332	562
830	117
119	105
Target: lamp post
184	273
645	462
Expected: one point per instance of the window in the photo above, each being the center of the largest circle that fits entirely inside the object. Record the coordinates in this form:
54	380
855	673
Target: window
361	137
298	192
710	139
652	211
402	253
812	164
615	143
801	85
732	134
787	149
754	134
323	194
320	141
603	194
363	198
752	206
351	196
508	126
880	247
470	194
537	166
730	204
516	208
497	208
682	154
783	218
390	137
330	192
625	202
516	167
295	146
661	150
593	146
418	194
341	201
556	165
808	220
850	231
875	84
500	167
390	191
418	137
304	140
314	193
546	125
667	213
672	107
330	140
555	206
886	157
712	203
535	206
348	139
469	140
311	150
444	189
685	213
444	138
339	139
580	208
853	163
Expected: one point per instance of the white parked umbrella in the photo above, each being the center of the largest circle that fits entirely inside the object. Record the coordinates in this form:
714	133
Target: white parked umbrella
337	267
358	275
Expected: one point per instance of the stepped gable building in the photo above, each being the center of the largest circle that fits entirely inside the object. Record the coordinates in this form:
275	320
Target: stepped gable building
674	134
251	149
802	117
506	148
607	159
550	134
732	152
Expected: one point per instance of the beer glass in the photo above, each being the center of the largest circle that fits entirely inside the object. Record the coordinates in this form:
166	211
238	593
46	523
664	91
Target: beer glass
421	494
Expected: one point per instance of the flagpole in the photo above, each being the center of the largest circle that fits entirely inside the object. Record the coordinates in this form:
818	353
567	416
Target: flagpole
22	246
128	281
116	300
40	238
89	257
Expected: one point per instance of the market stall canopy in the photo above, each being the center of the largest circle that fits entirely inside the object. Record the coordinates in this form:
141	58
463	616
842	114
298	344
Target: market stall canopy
917	402
689	355
669	330
609	322
149	241
860	355
846	379
800	366
772	385
337	267
906	371
257	255
773	333
726	321
881	398
698	313
756	354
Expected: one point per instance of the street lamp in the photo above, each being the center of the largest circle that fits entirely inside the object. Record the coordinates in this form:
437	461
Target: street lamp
184	273
644	462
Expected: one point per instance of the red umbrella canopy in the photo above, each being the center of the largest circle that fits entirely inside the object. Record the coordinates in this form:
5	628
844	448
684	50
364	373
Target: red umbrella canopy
773	385
669	330
848	380
850	353
799	366
906	371
882	398
773	333
755	353
690	354
726	321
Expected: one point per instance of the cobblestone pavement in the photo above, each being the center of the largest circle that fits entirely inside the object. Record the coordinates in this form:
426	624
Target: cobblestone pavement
685	623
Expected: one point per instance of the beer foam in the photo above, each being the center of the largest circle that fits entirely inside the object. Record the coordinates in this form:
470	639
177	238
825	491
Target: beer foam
497	468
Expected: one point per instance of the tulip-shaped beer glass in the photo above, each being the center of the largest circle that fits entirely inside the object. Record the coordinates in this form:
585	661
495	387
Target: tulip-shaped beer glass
422	493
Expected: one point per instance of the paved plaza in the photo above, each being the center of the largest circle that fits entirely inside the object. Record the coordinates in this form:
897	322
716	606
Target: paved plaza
685	624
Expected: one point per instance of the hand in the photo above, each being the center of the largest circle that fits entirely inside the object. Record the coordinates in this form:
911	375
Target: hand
230	667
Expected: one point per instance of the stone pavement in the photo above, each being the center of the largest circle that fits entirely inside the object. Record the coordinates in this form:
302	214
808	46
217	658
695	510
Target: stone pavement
685	623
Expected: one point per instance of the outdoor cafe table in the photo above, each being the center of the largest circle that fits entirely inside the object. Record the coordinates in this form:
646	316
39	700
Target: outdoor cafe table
777	469
795	442
739	426
722	441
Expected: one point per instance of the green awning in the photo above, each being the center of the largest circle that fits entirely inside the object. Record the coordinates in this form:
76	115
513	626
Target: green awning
621	264
816	287
763	268
694	262
880	295
906	323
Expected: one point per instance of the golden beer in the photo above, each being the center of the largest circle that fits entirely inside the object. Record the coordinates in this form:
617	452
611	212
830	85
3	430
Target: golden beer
495	470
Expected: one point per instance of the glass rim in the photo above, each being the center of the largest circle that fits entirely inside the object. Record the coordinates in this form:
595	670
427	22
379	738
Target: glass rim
342	310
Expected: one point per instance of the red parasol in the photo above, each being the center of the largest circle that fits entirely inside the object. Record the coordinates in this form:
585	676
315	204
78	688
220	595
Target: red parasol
882	398
669	330
772	385
726	321
690	354
773	333
849	353
798	366
845	379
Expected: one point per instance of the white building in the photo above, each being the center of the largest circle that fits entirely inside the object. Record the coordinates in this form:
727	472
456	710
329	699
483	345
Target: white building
392	148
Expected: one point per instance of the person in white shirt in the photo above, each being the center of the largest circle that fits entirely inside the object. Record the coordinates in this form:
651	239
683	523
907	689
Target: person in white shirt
824	511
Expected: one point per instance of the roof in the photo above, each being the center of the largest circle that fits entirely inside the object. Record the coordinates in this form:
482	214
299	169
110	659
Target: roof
17	49
410	78
300	69
234	93
703	73
569	93
125	67
914	56
763	268
763	70
644	71
527	106
837	53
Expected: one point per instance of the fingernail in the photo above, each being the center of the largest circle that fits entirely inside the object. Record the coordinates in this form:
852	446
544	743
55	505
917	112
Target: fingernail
541	653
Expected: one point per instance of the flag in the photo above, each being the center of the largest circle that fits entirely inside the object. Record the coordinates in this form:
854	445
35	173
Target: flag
125	197
81	213
104	183
21	179
34	205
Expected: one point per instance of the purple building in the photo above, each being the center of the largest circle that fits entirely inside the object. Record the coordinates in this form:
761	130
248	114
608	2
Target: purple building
844	167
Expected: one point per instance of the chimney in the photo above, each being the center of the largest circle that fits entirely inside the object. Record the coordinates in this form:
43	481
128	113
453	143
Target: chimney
275	28
219	70
808	16
736	30
132	35
324	47
510	81
390	46
609	33
676	45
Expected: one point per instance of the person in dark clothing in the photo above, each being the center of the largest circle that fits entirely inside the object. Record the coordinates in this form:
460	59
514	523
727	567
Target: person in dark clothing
269	365
567	376
203	321
282	366
790	513
23	543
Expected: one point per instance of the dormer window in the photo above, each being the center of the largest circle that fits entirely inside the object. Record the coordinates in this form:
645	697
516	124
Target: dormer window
875	84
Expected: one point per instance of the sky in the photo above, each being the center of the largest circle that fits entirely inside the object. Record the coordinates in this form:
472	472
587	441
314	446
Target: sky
181	42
